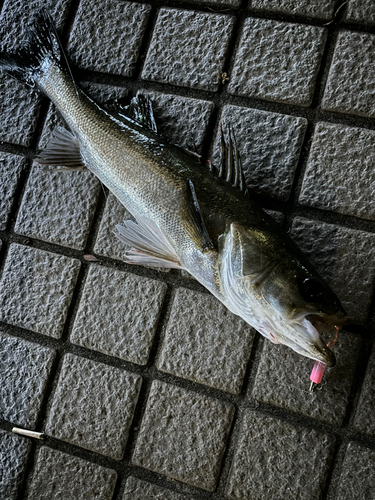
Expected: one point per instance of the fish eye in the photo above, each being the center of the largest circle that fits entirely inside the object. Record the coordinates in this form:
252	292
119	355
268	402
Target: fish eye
312	290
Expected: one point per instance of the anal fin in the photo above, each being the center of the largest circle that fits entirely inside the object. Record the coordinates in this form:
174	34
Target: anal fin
149	246
62	151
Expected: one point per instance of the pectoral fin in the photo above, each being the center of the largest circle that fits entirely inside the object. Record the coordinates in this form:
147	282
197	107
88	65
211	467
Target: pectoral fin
149	246
193	220
62	151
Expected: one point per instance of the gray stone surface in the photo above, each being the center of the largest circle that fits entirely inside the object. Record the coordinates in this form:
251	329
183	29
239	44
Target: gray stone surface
106	242
282	380
11	167
310	8
181	120
65	477
269	145
14	452
361	11
19	110
36	289
358	474
25	368
364	419
277	216
345	258
180	57
19	106
265	459
219	3
183	435
277	61
18	17
58	207
107	96
93	406
118	314
136	489
340	171
350	84
109	39
205	342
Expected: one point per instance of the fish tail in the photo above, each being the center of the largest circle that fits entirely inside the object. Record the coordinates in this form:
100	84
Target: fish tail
28	63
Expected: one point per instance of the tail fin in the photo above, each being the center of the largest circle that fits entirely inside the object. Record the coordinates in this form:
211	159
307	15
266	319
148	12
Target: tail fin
44	45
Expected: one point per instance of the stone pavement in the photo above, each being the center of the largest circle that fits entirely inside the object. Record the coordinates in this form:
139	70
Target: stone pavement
145	386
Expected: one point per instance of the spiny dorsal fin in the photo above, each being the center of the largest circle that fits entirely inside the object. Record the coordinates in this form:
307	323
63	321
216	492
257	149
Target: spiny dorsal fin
149	246
194	222
230	168
62	151
140	110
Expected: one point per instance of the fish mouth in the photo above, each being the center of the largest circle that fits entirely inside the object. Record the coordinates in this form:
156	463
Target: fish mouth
318	324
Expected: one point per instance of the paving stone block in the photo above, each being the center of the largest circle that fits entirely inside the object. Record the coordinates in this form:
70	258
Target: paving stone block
93	406
58	207
14	452
19	110
136	489
181	120
11	167
263	466
277	216
364	419
361	11
62	476
349	87
282	380
36	289
277	61
118	314
107	96
357	478
183	435
310	8
19	106
106	242
345	258
18	17
109	39
205	342
269	145
340	175
25	368
188	48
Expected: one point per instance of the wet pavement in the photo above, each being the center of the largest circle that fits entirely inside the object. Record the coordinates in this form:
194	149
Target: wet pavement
144	385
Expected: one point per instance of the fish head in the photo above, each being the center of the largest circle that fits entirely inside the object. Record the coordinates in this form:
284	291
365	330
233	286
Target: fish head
270	285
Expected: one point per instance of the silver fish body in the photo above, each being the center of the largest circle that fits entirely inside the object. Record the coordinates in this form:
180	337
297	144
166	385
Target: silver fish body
249	264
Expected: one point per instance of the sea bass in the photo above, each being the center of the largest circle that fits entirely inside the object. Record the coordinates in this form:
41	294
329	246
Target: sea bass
189	215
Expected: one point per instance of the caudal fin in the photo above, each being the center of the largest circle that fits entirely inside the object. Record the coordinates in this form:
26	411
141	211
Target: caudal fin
43	46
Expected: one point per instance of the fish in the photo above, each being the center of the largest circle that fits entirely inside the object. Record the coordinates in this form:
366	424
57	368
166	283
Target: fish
189	214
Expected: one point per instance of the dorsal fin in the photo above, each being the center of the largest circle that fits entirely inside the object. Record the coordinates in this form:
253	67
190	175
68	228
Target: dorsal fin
140	110
230	167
